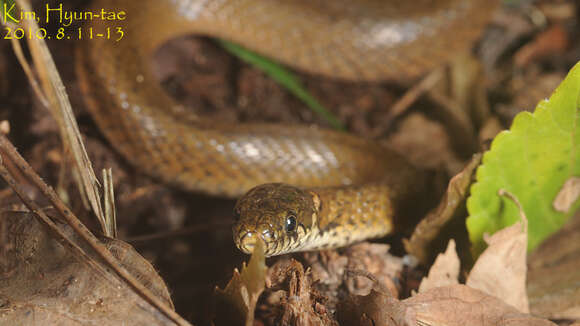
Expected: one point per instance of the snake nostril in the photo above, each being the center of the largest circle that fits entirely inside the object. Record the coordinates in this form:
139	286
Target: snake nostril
267	235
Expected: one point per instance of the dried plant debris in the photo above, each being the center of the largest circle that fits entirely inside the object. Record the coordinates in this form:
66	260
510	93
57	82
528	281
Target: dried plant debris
374	309
568	195
41	282
431	148
553	277
55	99
451	305
527	89
235	304
332	270
501	268
442	301
445	270
301	304
462	305
452	204
293	297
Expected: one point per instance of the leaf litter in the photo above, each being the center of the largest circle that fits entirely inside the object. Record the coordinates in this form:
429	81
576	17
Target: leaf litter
444	271
42	283
553	276
441	301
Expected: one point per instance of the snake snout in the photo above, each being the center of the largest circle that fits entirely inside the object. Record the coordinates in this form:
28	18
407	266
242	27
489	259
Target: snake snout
247	242
248	238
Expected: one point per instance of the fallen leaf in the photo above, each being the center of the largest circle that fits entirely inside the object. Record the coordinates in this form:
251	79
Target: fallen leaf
41	282
552	41
429	149
490	128
420	244
461	305
454	305
568	195
445	270
242	292
553	278
501	269
374	309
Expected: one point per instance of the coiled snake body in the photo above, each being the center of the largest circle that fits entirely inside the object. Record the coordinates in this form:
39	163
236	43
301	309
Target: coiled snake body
344	188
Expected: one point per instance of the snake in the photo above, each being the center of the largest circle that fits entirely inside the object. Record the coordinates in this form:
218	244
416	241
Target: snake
302	187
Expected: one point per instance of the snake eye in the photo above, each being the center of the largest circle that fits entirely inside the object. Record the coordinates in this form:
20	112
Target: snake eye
290	223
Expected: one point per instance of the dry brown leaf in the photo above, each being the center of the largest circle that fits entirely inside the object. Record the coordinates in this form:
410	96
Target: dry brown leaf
42	283
455	305
242	292
554	40
429	149
490	128
461	305
568	195
553	278
375	309
445	270
420	243
501	269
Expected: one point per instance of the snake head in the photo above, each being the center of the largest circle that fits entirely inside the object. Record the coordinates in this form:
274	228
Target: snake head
279	214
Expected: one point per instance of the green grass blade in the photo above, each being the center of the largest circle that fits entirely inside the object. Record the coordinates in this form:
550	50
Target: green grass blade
283	77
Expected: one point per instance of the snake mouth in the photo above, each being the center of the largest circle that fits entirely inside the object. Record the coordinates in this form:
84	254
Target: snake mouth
247	241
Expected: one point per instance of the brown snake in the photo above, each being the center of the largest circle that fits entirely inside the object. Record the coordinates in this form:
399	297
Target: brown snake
344	188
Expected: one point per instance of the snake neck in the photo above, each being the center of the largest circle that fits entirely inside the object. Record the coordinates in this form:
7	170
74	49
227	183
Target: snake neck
344	215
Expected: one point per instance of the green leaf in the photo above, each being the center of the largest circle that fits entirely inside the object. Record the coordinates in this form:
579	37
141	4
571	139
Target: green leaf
283	77
532	160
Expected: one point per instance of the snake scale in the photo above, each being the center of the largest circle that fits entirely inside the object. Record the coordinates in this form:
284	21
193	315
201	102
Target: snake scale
322	189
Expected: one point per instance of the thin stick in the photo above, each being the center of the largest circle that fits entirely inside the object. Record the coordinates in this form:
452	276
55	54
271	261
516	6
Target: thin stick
109	199
11	153
181	232
54	95
411	96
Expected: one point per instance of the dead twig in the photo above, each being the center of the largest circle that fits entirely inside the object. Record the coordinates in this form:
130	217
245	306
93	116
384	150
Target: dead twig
180	232
50	90
414	93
